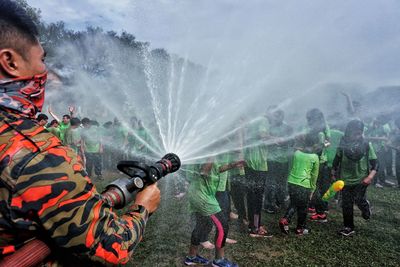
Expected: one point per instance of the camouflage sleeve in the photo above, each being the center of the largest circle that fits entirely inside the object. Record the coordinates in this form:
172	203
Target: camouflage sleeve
56	191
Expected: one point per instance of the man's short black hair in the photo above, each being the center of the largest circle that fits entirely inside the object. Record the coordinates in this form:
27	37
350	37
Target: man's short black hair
67	116
17	29
85	121
42	117
75	122
52	123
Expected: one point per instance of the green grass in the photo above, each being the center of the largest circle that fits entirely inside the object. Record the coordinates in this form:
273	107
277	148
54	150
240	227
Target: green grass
376	243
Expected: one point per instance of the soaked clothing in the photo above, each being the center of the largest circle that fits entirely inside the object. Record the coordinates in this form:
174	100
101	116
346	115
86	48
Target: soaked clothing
336	135
255	154
202	190
46	193
299	199
63	128
353	172
305	170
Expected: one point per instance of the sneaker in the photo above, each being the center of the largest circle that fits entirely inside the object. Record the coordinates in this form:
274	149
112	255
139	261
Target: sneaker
346	231
311	210
302	231
260	232
223	263
322	218
284	226
378	185
270	211
197	260
390	183
207	245
366	214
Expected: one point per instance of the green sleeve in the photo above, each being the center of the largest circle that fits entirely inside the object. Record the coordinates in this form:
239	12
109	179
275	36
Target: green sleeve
314	175
371	152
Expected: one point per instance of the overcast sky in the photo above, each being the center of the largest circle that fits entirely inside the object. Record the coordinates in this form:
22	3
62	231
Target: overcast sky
327	41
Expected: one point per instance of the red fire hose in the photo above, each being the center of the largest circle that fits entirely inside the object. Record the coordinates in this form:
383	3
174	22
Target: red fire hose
29	255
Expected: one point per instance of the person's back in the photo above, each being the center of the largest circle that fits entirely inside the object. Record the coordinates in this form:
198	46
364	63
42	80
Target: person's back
304	171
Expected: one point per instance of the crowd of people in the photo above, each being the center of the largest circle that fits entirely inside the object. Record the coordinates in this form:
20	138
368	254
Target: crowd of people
273	167
281	170
99	146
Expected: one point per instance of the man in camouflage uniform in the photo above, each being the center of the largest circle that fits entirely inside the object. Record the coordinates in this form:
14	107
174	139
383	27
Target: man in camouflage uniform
44	190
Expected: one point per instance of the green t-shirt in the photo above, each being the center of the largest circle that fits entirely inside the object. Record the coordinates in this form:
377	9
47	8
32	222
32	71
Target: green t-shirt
141	145
381	131
202	190
255	154
72	138
305	169
63	128
353	172
336	135
92	139
221	160
120	133
55	131
279	152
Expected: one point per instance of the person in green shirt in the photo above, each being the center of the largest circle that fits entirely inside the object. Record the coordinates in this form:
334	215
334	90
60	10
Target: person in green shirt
73	137
255	157
64	124
317	125
395	144
120	141
205	181
42	119
92	147
356	164
237	178
302	182
53	128
278	162
378	134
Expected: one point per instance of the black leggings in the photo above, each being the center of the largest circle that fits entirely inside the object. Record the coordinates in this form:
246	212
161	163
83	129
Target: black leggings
255	193
204	225
299	198
353	194
323	184
238	193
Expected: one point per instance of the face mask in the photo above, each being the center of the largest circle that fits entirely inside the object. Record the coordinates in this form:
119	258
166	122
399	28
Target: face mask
25	95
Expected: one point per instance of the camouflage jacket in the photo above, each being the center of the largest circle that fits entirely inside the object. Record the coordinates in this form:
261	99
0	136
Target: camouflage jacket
45	193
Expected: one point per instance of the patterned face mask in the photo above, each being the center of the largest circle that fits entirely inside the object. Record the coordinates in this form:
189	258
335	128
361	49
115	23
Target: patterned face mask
25	95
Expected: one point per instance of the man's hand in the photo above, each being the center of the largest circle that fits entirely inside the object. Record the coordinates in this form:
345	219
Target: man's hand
240	163
149	198
71	109
367	180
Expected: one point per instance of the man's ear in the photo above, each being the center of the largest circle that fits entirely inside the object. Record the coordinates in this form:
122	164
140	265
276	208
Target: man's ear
10	62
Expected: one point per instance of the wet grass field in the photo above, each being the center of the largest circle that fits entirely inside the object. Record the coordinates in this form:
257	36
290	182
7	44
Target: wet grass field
376	242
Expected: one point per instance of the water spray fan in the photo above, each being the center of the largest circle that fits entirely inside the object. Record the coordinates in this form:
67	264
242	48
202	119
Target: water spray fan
123	190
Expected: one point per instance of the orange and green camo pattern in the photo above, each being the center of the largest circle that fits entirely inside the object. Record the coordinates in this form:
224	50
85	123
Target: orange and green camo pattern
45	189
